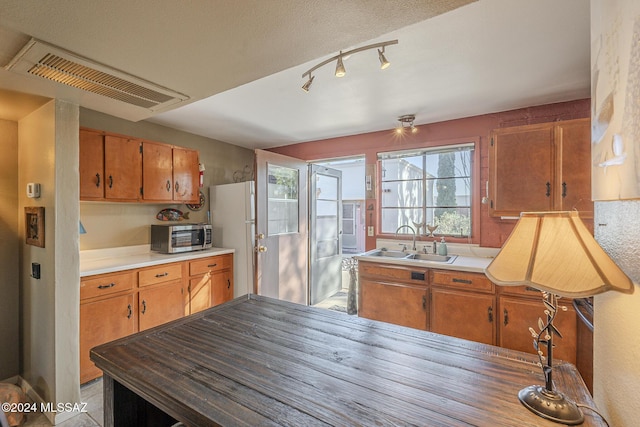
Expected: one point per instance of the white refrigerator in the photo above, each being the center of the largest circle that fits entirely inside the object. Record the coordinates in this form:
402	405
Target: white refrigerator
232	209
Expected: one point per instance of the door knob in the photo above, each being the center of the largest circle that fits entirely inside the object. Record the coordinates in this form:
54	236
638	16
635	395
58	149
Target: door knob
260	236
262	248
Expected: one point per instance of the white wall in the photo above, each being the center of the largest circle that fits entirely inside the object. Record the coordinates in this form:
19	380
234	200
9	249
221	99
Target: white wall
9	244
615	54
48	154
616	377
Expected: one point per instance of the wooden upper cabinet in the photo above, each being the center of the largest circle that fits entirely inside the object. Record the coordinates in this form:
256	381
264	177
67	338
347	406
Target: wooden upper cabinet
122	168
157	171
520	167
91	165
169	173
119	168
573	171
542	167
185	175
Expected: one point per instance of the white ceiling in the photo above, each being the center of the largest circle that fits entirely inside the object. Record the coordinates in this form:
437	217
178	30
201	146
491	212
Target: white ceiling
241	62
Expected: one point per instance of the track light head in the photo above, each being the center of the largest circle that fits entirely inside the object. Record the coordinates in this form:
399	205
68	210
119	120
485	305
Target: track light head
340	71
384	64
307	85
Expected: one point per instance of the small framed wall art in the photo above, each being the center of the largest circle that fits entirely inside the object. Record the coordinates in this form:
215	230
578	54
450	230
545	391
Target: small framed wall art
34	225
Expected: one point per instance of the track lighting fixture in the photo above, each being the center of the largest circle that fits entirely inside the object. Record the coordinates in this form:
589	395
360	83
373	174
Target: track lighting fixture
340	70
406	122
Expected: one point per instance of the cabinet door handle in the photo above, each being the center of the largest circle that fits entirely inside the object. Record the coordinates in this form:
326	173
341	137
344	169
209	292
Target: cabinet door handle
98	180
110	181
548	193
177	187
506	317
465	281
162	275
144	306
564	189
212	265
110	285
228	283
424	302
490	313
129	311
168	185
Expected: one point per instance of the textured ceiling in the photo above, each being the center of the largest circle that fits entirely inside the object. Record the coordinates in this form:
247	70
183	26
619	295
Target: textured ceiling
240	62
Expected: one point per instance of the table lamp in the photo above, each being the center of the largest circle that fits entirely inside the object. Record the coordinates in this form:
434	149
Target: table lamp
555	253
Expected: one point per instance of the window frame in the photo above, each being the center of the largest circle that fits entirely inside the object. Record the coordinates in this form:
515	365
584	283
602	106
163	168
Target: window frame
475	204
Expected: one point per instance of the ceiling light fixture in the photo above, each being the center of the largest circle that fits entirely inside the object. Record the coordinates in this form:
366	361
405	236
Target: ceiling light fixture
406	122
340	70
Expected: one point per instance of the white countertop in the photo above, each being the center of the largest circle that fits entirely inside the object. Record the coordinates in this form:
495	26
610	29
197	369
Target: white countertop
469	258
99	261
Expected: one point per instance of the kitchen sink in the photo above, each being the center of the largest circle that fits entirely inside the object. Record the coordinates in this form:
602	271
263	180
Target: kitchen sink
388	254
417	256
447	259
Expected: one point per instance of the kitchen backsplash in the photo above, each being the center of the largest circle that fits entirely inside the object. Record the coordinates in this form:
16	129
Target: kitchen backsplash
111	225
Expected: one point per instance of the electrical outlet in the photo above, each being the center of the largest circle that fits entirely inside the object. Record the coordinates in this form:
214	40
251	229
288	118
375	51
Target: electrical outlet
370	231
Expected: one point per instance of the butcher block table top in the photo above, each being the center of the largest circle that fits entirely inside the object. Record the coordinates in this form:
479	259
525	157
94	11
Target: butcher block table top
257	361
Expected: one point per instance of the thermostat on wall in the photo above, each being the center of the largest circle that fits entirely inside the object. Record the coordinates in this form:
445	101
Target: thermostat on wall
33	190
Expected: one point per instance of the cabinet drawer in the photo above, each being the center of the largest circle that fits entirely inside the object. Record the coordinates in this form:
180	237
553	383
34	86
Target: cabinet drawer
394	273
215	263
520	290
462	280
106	284
528	291
160	274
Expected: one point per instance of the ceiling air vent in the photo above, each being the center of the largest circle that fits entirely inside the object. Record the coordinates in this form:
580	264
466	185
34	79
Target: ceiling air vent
41	59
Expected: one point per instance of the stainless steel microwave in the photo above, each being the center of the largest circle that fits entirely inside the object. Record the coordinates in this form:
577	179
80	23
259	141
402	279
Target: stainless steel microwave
174	238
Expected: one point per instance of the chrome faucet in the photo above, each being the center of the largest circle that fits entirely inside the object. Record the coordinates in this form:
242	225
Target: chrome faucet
413	247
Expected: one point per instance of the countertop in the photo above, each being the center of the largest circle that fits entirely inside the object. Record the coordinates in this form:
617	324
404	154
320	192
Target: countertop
99	261
468	258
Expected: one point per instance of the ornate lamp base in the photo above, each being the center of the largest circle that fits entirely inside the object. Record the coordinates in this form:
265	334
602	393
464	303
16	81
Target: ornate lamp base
551	405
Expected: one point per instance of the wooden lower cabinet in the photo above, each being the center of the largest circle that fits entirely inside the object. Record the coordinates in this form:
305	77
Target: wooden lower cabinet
160	304
460	304
463	314
210	282
400	304
221	287
517	315
118	304
100	322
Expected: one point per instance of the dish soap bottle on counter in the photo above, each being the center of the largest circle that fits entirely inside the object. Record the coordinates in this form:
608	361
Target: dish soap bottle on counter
442	248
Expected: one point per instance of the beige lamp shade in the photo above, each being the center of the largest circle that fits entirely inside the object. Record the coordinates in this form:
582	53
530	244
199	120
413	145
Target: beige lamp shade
555	252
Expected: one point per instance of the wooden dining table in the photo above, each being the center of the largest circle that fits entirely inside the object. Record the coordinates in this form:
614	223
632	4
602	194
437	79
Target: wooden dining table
257	361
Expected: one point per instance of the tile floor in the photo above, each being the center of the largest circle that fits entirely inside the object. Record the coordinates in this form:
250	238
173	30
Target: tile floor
91	393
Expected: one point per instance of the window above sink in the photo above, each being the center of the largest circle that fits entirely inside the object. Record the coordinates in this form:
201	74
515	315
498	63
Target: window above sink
430	186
